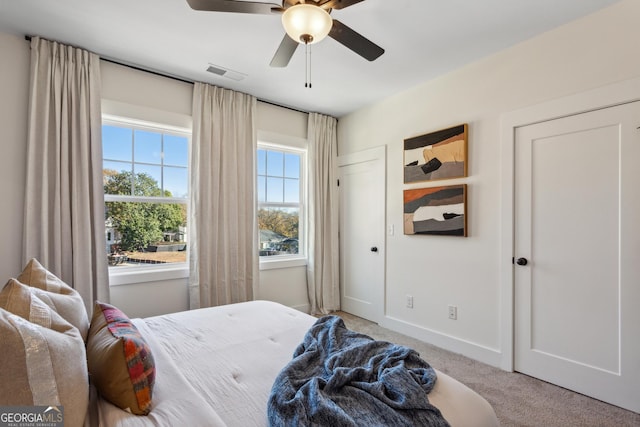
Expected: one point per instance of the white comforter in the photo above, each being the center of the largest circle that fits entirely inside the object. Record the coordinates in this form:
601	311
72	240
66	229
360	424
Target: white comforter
215	367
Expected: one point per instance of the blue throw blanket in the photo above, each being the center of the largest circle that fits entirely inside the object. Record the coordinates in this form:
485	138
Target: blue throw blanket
339	377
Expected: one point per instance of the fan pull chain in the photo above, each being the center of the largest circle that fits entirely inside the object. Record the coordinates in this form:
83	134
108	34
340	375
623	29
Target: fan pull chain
307	65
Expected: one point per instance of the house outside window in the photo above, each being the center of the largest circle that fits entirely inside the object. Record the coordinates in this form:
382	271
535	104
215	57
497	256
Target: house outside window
145	177
281	184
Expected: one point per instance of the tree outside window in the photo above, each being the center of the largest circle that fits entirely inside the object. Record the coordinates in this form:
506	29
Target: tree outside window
145	183
280	194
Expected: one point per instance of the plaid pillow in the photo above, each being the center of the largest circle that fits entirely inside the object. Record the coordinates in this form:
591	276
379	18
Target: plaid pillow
120	361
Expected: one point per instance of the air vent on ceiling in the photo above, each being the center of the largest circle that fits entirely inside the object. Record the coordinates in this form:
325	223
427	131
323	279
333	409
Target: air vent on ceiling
225	72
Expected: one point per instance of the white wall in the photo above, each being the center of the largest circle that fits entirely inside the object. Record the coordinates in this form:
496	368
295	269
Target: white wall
439	271
139	95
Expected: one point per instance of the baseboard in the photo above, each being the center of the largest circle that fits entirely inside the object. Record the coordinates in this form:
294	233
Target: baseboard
475	351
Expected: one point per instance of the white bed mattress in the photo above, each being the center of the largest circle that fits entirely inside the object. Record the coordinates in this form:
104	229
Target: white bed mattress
216	366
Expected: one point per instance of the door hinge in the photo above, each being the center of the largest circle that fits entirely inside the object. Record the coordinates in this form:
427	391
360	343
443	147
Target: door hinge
338	183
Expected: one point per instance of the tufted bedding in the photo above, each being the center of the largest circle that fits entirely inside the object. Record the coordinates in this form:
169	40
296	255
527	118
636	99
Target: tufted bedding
216	367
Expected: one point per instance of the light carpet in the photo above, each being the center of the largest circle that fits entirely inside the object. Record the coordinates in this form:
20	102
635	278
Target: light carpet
518	400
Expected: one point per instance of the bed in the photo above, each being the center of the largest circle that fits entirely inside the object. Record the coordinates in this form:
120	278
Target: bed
220	366
216	367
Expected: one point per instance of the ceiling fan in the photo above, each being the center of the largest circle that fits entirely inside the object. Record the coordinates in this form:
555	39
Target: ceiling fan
305	21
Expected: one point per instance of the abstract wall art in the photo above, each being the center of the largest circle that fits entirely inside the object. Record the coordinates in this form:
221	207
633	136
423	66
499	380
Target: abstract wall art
436	211
436	155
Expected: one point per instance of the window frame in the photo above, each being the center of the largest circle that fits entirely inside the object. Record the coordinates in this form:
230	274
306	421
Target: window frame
300	147
149	272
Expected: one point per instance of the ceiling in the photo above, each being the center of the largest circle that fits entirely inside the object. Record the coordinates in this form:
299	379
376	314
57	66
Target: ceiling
422	39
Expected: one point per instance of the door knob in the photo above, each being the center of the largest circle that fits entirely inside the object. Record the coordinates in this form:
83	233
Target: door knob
522	261
374	249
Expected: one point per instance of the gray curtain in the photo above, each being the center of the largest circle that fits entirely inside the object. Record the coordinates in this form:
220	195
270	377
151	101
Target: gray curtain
64	202
223	231
323	249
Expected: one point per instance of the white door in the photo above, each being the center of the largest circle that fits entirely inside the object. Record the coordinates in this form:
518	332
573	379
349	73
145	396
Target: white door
577	212
362	233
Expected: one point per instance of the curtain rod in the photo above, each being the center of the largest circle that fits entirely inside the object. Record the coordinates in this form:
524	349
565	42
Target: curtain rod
180	79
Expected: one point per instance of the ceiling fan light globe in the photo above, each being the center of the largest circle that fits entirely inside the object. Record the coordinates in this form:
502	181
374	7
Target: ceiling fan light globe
306	23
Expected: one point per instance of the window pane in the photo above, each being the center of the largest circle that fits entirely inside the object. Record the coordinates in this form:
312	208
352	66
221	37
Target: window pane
262	185
176	182
148	180
292	165
279	184
145	233
116	178
116	166
154	164
291	191
275	163
176	150
116	143
274	190
147	147
278	231
262	162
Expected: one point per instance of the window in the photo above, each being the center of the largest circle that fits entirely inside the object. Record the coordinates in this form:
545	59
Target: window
145	175
281	201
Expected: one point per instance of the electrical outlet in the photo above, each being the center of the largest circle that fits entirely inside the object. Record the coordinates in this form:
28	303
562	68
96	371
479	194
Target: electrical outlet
409	301
453	312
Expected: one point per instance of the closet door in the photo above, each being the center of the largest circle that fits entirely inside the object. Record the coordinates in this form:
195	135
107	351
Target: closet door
577	253
362	233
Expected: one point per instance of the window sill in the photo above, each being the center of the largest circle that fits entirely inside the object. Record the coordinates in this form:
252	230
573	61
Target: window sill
273	264
126	276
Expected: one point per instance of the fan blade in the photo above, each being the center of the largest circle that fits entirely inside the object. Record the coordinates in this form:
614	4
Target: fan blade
337	4
284	53
355	41
235	6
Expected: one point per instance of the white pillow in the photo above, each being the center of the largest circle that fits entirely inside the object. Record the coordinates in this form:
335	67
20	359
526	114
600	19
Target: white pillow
44	358
57	294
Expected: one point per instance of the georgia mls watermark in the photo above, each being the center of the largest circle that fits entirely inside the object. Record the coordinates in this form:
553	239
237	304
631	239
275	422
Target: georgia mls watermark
31	416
